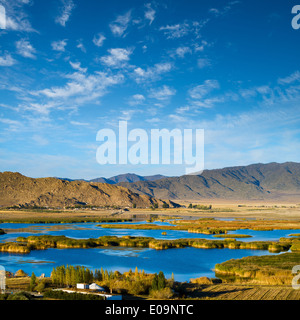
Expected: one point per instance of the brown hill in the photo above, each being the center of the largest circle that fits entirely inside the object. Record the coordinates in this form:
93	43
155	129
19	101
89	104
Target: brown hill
16	189
253	182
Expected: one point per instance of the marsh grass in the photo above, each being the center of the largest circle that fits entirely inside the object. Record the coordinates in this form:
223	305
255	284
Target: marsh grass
270	270
25	245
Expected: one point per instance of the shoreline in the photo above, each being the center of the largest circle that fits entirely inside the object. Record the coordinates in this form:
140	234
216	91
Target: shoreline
220	209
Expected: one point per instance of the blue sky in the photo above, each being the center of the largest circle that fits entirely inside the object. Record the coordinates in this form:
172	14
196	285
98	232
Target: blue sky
69	68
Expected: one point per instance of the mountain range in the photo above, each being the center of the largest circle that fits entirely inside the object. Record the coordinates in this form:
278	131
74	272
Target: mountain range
252	182
18	190
127	177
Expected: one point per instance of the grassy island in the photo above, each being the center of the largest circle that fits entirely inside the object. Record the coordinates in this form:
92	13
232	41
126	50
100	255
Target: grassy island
25	245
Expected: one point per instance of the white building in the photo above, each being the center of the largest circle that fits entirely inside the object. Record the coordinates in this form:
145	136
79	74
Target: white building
95	286
82	286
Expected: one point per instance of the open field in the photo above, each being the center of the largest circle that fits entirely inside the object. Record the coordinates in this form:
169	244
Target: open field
220	209
240	292
222	291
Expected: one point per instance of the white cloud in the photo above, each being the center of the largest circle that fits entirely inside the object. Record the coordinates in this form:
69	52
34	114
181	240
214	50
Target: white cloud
149	13
13	125
182	51
117	58
220	12
163	93
185	28
175	31
99	39
77	66
202	63
41	141
120	25
16	16
7	61
77	123
201	47
25	49
136	99
290	79
81	46
65	12
202	90
82	88
151	73
2	17
59	45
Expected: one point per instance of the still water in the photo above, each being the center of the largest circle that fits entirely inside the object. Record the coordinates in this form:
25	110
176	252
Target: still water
185	263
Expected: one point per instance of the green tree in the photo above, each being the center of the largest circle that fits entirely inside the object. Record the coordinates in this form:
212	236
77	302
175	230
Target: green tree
154	285
136	273
161	283
33	282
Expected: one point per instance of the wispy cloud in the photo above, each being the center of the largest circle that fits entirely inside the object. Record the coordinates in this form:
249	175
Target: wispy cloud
136	99
176	30
81	88
182	51
290	79
220	12
200	91
41	141
77	66
25	49
65	12
120	25
149	13
16	15
81	46
13	125
163	93
59	45
117	57
179	30
203	62
151	73
78	123
99	39
7	60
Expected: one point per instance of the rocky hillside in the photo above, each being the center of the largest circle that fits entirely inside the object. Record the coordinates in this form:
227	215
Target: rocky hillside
16	189
257	181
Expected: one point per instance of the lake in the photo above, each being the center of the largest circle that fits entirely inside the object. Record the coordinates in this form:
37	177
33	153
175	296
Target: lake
185	263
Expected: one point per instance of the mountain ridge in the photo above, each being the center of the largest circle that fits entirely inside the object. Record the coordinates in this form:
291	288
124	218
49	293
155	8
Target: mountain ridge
253	182
126	177
19	190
